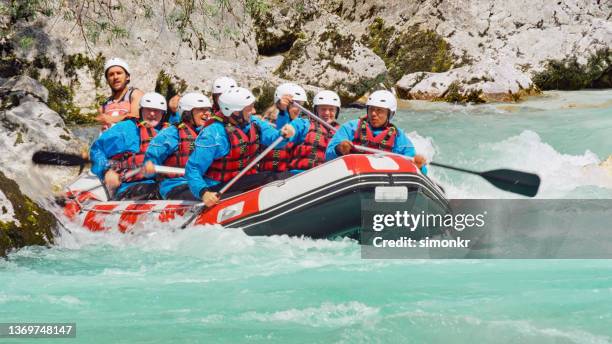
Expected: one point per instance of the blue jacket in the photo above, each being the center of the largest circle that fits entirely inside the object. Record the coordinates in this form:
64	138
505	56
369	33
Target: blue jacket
402	144
161	147
174	118
212	143
121	137
282	118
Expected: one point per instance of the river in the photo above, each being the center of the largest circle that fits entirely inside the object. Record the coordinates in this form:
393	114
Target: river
219	285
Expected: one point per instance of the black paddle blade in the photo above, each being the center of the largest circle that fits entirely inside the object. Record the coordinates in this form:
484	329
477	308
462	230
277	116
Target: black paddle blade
522	183
58	159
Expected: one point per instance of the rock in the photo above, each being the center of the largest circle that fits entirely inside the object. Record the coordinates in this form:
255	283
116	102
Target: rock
480	83
24	85
26	128
333	58
22	221
271	63
379	40
277	27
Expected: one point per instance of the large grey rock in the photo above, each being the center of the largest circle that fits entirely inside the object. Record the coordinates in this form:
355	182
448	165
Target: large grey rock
22	85
26	128
333	58
487	81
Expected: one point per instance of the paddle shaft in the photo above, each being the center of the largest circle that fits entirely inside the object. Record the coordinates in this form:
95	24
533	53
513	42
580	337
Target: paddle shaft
372	150
519	182
315	117
250	165
201	206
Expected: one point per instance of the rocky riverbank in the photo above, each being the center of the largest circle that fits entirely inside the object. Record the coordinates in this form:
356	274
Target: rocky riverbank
475	51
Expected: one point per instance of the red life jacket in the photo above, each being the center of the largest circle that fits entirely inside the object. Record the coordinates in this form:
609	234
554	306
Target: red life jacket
277	160
243	148
126	161
385	140
311	152
116	108
179	159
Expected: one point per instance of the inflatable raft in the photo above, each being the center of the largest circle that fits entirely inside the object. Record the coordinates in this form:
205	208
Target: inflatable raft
323	202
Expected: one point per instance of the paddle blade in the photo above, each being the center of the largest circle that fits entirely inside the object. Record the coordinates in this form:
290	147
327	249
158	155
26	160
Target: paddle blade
521	183
58	159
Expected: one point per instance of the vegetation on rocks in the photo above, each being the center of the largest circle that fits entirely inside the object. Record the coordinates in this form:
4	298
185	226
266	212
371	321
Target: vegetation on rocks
265	97
35	226
166	86
568	74
61	100
409	51
72	63
297	50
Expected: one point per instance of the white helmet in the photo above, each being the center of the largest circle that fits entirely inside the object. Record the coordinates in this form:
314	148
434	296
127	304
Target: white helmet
296	91
235	99
222	84
153	100
383	99
327	98
193	100
115	61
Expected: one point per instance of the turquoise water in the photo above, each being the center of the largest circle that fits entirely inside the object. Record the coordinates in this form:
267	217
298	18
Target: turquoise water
219	285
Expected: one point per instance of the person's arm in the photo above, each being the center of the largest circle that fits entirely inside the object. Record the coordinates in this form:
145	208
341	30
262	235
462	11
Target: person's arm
282	118
301	127
403	145
162	146
135	103
111	140
267	132
211	144
345	133
173	103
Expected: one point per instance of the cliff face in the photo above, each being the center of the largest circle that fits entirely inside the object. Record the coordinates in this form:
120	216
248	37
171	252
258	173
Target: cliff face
489	49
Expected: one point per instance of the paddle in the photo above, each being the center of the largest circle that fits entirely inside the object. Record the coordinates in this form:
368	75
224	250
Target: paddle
522	183
518	182
229	184
68	159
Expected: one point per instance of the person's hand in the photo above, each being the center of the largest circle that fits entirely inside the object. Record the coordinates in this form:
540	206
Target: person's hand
344	147
149	168
112	180
210	198
420	161
284	102
173	103
287	131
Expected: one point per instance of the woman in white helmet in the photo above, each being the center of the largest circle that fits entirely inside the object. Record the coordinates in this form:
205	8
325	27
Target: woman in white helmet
173	145
122	148
374	130
124	101
311	138
278	159
227	145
